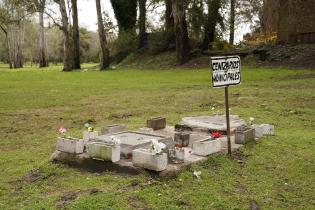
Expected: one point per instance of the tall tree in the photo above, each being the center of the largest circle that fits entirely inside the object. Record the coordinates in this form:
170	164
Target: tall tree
232	22
213	18
181	34
75	35
67	54
142	23
126	14
102	37
12	18
169	20
40	7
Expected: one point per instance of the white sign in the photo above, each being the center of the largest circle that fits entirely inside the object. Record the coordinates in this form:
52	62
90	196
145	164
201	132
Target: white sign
226	70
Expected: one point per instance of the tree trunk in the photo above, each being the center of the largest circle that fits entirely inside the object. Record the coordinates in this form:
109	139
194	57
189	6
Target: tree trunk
232	22
42	42
210	24
75	35
169	20
67	58
142	26
126	15
15	37
102	37
7	45
181	34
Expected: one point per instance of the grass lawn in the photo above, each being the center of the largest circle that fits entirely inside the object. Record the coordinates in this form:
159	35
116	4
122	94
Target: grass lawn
278	172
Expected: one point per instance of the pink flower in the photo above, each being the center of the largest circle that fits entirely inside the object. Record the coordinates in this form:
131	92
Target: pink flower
62	130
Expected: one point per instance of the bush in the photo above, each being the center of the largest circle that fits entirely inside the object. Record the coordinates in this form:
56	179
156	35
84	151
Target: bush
161	41
123	46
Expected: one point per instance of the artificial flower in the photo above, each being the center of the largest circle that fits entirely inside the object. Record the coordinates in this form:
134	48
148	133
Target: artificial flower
216	134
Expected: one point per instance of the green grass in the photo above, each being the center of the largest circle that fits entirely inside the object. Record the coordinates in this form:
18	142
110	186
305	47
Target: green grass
278	172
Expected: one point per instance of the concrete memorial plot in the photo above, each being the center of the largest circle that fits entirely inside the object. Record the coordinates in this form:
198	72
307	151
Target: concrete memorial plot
211	123
136	151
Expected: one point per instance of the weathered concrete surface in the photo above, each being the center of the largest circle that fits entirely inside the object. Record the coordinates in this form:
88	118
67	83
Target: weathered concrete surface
244	136
207	146
156	123
70	145
144	158
115	128
131	140
211	123
124	166
263	129
89	135
181	139
99	150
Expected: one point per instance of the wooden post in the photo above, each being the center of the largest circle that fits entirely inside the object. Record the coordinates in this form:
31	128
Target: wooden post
227	114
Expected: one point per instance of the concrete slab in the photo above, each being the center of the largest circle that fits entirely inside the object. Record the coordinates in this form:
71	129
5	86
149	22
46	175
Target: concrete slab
115	128
210	123
124	166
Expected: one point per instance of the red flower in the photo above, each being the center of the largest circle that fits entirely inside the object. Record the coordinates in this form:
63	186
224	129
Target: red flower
216	134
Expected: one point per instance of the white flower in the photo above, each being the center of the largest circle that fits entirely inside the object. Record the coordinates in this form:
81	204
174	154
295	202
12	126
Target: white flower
251	119
115	140
156	147
213	108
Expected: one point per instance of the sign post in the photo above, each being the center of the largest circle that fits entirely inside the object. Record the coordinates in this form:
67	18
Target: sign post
226	71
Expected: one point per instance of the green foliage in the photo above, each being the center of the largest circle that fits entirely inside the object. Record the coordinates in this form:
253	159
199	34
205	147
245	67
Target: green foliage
123	46
195	19
161	41
125	13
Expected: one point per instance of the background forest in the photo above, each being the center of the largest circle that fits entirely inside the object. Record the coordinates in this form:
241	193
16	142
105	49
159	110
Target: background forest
44	31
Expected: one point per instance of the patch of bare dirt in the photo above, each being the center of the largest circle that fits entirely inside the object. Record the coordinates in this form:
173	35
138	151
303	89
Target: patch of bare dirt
137	202
66	198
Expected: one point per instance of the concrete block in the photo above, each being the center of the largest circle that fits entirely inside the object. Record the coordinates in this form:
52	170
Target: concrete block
263	129
110	129
244	136
207	146
181	139
102	151
87	136
144	158
70	145
176	155
156	123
